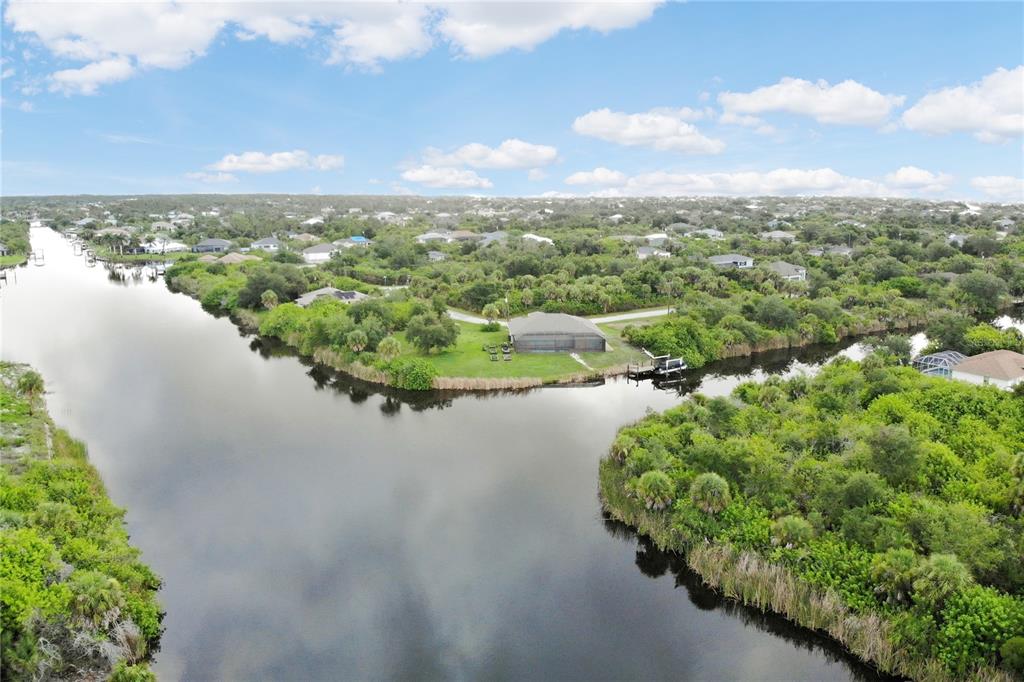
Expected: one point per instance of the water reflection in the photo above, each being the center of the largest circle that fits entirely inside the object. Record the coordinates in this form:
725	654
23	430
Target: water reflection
656	563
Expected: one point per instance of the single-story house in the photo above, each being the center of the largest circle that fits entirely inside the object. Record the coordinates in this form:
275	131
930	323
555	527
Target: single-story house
434	237
795	273
343	296
1000	368
321	253
162	226
707	233
350	242
645	252
844	251
555	332
212	245
163	245
463	236
939	364
267	244
314	221
496	237
537	239
731	260
233	258
657	239
437	256
208	258
302	236
779	236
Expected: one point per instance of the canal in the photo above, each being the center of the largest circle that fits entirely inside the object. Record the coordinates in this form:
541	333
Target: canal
310	528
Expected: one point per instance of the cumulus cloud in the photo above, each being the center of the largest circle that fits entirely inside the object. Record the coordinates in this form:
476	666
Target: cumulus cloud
211	178
482	29
536	175
446	177
261	162
992	108
1000	187
88	79
782	181
663	129
914	178
849	102
167	34
747	121
512	153
598	176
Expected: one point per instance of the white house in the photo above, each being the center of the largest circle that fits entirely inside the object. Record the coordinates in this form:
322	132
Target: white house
788	271
707	233
537	239
163	245
1000	368
732	260
321	253
779	236
427	237
314	221
271	244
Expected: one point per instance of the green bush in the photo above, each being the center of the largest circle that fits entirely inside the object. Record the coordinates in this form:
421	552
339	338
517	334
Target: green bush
1012	654
412	374
792	531
709	492
655	489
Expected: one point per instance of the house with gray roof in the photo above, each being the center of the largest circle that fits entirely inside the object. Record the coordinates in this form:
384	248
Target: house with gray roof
731	260
778	236
267	244
555	332
437	256
788	271
212	245
321	253
645	252
330	292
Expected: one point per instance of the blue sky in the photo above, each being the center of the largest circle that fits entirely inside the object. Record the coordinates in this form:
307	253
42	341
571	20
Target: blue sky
920	99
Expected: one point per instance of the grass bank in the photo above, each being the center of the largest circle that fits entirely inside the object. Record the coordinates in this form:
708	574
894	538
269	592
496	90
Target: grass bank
76	601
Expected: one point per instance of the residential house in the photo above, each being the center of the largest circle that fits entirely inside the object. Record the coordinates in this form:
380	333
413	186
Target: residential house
939	364
437	256
338	294
840	250
271	244
645	252
706	233
321	253
788	271
3	249
555	332
212	245
350	242
1000	368
956	239
779	236
160	244
496	237
302	236
317	220
427	237
732	260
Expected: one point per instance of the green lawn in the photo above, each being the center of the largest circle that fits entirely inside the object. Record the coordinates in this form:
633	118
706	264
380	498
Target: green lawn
468	359
12	260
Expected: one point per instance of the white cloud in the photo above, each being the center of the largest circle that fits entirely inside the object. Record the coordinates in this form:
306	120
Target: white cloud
446	177
759	126
663	129
167	34
598	176
992	108
482	29
914	178
1000	187
201	176
26	107
7	73
260	162
512	153
849	102
88	79
536	175
782	181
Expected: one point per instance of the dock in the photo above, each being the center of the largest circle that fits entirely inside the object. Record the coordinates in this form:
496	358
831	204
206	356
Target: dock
660	368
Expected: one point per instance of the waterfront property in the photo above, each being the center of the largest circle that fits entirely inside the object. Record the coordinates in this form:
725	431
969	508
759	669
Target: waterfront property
939	364
343	296
731	260
1000	368
212	245
555	332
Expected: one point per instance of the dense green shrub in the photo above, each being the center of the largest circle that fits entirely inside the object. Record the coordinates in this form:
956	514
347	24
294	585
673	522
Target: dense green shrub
412	374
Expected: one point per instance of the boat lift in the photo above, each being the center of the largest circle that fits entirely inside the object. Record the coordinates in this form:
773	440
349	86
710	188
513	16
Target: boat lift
661	368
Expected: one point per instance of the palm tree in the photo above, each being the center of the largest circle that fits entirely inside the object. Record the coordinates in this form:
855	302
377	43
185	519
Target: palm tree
655	489
269	299
95	596
30	385
491	312
389	348
357	340
710	493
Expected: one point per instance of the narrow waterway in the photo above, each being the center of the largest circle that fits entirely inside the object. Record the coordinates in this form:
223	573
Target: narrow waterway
311	528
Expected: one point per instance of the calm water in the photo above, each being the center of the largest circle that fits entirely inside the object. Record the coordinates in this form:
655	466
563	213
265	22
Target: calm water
310	528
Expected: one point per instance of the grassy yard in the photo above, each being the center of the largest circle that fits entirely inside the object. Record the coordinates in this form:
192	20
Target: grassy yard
12	260
468	358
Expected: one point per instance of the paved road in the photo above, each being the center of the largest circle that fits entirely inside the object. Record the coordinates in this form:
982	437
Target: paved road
619	317
638	315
